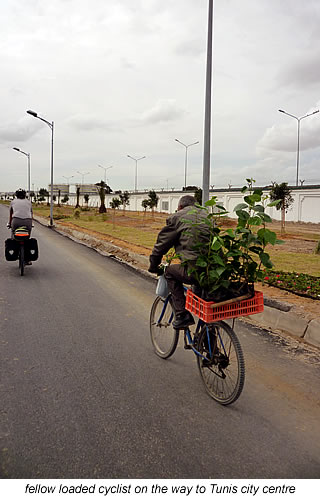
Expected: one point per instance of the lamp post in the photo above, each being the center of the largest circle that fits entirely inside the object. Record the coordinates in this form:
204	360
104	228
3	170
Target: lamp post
105	168
207	114
298	143
186	158
136	173
28	156
51	126
68	178
83	175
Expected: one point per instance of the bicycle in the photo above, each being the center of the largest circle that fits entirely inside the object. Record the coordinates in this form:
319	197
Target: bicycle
17	249
219	354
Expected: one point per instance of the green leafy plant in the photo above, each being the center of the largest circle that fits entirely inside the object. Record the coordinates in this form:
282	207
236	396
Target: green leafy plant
230	261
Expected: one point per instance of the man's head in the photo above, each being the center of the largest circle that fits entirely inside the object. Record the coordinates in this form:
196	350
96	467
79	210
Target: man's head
20	194
186	201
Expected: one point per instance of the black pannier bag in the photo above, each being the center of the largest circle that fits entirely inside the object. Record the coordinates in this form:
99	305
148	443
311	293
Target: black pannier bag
11	250
31	251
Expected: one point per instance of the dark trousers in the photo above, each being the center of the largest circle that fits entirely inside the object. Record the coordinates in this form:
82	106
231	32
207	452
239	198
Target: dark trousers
176	275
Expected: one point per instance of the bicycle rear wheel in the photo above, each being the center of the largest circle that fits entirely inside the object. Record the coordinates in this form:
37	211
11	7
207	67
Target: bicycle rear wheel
221	365
163	336
21	259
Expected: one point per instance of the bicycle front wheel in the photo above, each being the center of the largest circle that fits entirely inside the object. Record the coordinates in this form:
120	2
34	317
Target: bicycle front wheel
163	336
221	363
21	259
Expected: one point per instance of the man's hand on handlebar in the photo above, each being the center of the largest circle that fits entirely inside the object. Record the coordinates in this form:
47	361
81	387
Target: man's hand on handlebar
9	225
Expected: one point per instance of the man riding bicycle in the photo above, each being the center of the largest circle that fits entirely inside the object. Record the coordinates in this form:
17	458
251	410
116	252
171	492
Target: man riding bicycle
20	214
181	233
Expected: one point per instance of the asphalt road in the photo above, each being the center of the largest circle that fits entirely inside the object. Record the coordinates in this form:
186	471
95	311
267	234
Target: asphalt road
82	395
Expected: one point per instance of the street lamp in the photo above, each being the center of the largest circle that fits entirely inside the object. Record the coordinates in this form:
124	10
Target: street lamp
83	175
105	168
28	156
68	178
51	126
136	174
186	158
298	144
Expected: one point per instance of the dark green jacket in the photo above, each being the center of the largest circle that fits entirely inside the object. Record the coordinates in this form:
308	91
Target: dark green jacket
181	234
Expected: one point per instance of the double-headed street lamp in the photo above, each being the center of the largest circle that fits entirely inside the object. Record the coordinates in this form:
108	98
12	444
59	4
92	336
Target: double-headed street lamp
51	126
105	168
186	158
136	172
298	144
83	175
28	156
68	178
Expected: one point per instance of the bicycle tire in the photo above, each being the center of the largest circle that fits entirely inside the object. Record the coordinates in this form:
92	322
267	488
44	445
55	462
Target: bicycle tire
223	368
21	259
164	337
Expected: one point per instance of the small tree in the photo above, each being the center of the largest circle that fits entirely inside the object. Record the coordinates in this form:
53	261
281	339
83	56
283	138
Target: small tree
145	205
115	203
282	194
43	193
153	201
86	199
124	199
65	199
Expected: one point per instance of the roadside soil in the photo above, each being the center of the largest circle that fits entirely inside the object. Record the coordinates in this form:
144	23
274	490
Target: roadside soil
297	242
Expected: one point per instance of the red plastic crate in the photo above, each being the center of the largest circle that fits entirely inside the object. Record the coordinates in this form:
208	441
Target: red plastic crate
204	311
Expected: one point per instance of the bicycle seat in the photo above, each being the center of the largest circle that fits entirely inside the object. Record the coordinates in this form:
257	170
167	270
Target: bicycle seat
21	233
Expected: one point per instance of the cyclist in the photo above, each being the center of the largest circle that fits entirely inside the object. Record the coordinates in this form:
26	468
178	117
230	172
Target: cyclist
20	213
181	235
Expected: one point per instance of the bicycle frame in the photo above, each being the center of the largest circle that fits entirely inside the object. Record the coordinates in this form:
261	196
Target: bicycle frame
187	332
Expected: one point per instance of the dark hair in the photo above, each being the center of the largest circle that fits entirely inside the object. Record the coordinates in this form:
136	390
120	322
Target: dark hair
21	194
186	201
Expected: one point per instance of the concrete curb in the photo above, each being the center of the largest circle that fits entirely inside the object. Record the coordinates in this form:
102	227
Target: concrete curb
277	316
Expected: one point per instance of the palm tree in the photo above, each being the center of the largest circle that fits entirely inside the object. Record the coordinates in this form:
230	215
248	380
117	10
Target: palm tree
102	187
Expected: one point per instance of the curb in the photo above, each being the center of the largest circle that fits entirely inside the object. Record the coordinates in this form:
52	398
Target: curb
277	316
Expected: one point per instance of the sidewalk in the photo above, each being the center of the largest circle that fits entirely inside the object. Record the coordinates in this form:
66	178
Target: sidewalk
283	312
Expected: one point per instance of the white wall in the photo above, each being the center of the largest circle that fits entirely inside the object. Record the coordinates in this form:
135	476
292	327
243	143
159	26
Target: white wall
305	208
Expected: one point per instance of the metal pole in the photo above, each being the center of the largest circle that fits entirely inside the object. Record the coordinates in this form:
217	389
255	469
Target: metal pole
207	118
51	201
298	146
185	167
29	175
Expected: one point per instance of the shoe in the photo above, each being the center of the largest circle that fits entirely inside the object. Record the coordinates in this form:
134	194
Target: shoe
183	320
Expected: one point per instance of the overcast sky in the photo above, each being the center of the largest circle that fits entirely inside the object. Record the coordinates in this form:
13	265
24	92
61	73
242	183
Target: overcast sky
122	77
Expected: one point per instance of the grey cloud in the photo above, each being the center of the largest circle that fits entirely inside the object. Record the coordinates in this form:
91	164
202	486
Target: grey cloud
301	73
92	123
165	110
193	47
18	131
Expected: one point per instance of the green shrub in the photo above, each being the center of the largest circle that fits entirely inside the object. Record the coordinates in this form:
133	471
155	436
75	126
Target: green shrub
76	214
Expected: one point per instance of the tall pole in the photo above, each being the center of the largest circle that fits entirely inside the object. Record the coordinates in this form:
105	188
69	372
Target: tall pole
51	200
136	170
186	158
207	117
51	126
298	141
105	168
28	156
